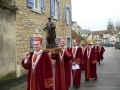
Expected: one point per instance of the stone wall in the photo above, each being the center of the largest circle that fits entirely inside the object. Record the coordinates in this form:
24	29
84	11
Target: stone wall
7	43
28	22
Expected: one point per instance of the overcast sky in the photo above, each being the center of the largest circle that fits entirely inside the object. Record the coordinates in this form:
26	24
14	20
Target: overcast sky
94	14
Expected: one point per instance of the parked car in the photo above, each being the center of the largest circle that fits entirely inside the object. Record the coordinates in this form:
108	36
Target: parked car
103	43
107	44
117	45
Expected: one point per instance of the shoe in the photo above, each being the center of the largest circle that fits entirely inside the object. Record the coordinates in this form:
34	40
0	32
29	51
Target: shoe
99	62
86	79
76	86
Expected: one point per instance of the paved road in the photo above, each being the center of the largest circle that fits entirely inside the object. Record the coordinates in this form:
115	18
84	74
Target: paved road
108	74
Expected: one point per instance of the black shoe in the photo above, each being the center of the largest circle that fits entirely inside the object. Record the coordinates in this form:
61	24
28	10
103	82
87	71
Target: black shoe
86	79
98	62
76	86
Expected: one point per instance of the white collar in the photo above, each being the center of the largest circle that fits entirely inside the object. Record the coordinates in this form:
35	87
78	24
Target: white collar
39	52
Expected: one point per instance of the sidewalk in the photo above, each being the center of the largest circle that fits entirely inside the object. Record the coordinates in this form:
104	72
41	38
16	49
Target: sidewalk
20	87
17	83
7	85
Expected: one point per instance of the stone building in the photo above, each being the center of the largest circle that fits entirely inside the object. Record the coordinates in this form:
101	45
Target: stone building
100	35
7	41
76	32
29	20
76	28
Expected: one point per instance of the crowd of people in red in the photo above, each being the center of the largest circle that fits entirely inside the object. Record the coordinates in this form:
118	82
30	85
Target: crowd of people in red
70	62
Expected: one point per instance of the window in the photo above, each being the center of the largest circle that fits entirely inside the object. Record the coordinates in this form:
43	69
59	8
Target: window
37	5
68	15
55	9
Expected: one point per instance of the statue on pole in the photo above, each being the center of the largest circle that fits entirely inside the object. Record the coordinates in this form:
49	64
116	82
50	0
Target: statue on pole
50	33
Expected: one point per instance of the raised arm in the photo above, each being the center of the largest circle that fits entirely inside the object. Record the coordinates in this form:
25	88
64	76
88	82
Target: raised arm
26	62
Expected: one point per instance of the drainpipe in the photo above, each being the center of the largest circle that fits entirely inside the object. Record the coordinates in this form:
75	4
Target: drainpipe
17	67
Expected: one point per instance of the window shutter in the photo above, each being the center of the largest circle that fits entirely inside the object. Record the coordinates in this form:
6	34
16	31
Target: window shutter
31	42
52	7
30	3
70	16
58	9
43	5
66	14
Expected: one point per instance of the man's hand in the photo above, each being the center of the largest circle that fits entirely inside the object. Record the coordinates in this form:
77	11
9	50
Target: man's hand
73	63
27	55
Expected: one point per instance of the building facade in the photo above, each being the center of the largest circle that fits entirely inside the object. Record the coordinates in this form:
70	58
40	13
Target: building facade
29	20
76	28
32	16
101	36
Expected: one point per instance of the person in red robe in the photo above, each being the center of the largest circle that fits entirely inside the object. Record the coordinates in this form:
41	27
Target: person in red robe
62	67
83	51
76	60
90	63
102	50
38	64
97	52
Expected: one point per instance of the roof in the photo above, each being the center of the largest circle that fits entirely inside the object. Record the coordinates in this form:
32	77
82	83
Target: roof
101	32
76	36
85	32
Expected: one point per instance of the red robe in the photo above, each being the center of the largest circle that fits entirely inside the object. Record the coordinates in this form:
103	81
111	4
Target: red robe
90	64
102	50
78	60
97	52
69	70
83	51
62	67
41	77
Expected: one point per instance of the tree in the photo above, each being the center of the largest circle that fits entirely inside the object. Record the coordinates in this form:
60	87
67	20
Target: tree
114	29
85	33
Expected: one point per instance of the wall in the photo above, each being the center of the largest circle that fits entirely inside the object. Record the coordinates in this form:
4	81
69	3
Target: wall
7	43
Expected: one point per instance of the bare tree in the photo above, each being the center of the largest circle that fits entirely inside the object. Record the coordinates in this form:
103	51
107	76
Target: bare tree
114	29
85	33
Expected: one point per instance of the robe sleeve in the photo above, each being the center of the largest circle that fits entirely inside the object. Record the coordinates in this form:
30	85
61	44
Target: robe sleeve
53	56
84	57
68	54
48	73
26	65
94	59
79	58
78	61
